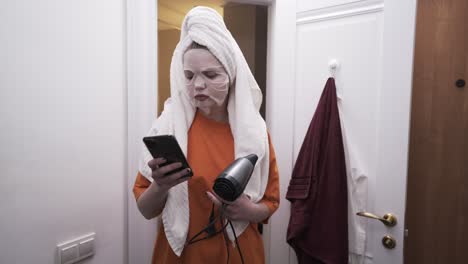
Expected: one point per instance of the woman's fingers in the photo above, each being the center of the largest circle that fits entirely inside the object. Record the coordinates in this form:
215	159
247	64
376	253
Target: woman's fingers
173	179
231	213
169	168
221	199
180	180
213	198
160	173
240	209
154	163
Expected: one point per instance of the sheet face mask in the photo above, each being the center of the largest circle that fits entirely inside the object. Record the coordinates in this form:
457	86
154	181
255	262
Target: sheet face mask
205	77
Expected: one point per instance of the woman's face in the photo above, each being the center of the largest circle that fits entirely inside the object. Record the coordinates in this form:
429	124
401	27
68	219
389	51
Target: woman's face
206	79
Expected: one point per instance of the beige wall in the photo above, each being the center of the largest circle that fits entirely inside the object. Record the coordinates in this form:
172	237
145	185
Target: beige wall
240	20
248	25
168	40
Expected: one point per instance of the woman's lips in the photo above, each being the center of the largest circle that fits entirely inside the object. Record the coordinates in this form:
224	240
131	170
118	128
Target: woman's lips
201	97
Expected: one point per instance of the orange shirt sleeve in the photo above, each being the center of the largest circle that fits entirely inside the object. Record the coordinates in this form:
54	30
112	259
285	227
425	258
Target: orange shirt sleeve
141	184
271	198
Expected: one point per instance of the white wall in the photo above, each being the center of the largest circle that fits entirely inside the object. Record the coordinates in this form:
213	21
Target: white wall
63	128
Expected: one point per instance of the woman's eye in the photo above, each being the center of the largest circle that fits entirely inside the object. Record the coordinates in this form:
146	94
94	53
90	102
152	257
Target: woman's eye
211	75
188	76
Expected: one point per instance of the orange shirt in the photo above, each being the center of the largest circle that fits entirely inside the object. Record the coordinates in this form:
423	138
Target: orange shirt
210	150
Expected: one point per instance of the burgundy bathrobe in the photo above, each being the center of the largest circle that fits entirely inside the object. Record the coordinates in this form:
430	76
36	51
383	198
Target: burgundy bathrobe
318	226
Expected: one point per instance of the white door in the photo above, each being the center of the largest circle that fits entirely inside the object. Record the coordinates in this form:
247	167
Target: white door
373	44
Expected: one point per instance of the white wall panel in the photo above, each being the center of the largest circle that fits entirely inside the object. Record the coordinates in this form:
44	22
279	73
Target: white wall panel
307	5
355	43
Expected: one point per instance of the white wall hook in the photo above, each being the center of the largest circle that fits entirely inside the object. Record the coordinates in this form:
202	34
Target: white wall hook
333	65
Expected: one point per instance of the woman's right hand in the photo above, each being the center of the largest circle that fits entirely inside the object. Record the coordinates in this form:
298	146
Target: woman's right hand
163	181
152	201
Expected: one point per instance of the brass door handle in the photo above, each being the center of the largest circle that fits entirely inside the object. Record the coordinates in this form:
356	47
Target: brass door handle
387	219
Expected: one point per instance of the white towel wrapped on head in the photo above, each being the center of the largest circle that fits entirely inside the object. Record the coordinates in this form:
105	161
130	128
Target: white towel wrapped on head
206	27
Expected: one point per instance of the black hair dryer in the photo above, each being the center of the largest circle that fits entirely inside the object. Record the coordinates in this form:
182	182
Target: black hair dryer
231	183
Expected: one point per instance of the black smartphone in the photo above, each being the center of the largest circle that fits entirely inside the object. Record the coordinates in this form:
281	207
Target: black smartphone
166	146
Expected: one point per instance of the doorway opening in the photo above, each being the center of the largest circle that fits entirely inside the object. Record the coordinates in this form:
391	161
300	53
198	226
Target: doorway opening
248	24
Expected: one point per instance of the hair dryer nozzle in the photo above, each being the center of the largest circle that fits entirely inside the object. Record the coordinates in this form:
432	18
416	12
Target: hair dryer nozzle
252	158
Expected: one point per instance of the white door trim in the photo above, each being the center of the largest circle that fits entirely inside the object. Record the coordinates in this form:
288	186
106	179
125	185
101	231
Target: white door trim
340	11
280	120
397	74
142	105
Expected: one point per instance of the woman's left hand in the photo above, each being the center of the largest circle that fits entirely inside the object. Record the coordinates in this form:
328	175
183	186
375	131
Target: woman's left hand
242	209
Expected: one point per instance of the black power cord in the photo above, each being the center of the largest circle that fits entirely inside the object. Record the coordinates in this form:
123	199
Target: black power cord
210	229
226	242
237	243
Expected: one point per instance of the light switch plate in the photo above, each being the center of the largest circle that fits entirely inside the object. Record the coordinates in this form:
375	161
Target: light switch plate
69	254
76	249
86	247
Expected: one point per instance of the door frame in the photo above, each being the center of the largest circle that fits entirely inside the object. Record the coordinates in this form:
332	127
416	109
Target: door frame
397	83
142	79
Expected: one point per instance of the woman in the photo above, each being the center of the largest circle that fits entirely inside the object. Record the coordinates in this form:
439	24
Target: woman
213	113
